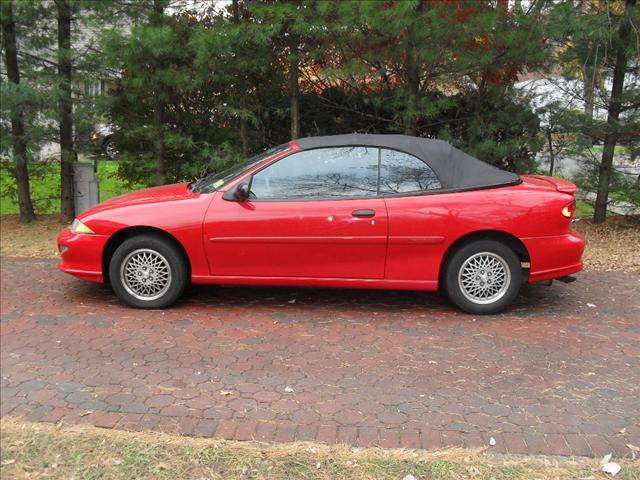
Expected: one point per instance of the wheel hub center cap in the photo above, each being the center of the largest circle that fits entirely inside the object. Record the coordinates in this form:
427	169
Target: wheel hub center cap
146	274
484	278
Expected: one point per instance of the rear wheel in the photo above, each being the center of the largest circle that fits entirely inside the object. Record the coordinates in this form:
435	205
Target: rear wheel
483	277
147	272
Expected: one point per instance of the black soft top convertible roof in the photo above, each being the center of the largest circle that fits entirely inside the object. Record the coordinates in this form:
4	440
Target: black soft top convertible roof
455	169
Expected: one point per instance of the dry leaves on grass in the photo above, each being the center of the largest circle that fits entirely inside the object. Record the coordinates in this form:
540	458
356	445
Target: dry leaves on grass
611	246
37	239
30	450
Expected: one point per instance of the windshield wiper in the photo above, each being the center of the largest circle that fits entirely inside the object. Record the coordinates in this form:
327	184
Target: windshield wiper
196	182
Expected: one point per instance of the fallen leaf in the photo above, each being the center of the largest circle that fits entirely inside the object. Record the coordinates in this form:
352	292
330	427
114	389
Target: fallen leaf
288	389
591	305
633	447
409	477
612	468
606	459
84	414
226	393
292	301
492	441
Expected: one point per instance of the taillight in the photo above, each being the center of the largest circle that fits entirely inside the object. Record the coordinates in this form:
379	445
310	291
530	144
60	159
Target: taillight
569	210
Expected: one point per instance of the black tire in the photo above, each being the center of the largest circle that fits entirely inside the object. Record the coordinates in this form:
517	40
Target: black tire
461	292
143	251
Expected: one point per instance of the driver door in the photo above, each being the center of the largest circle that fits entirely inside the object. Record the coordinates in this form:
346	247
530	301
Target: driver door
313	214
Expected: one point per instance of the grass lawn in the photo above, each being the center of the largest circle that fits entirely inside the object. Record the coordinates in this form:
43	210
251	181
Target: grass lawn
583	209
32	450
45	186
618	150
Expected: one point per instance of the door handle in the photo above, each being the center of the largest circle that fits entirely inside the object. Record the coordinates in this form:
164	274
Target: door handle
364	213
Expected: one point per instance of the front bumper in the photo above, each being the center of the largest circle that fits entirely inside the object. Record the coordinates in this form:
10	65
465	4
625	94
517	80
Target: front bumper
554	257
81	254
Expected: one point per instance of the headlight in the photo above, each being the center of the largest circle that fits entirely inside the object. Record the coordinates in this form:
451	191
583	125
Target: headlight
78	227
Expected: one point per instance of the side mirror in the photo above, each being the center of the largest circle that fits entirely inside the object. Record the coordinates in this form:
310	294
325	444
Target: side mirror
243	191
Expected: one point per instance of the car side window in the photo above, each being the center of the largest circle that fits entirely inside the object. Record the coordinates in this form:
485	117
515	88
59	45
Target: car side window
323	173
404	173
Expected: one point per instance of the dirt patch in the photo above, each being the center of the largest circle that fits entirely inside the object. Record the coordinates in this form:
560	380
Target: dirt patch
611	246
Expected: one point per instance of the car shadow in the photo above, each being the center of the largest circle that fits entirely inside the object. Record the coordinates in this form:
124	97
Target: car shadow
533	299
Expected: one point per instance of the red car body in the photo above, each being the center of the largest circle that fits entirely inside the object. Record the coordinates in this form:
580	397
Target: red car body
320	243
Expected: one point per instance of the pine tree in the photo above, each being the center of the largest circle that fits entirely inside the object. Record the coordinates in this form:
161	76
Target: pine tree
68	155
598	40
622	48
435	57
20	170
295	28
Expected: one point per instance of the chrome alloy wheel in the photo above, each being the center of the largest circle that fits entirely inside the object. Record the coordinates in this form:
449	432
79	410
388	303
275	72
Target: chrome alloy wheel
110	150
145	274
484	278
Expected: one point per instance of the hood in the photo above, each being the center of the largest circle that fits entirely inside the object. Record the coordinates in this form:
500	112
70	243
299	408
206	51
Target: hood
164	193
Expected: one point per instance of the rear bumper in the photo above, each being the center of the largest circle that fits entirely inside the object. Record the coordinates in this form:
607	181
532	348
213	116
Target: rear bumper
556	256
81	255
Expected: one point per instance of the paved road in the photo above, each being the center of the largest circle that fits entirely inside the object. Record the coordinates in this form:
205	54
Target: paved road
553	375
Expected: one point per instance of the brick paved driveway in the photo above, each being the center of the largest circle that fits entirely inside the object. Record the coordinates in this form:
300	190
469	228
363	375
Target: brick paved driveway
553	375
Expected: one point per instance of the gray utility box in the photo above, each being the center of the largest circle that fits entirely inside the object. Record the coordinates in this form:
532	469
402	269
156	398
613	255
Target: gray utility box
86	191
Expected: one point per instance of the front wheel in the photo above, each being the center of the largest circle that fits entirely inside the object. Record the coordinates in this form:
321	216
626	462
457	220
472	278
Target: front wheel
483	277
147	272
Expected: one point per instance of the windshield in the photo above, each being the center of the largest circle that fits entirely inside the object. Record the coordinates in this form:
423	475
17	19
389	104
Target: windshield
213	181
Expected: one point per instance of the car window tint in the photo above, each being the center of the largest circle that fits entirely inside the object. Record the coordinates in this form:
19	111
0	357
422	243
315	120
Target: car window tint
321	173
403	173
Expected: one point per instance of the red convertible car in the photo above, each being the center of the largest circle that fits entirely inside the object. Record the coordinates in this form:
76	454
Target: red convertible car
362	211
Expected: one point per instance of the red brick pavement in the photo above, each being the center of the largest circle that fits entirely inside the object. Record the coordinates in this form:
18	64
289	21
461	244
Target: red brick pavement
398	369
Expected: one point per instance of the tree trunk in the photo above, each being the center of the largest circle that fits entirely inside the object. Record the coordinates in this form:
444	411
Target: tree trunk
158	141
158	109
244	135
552	156
65	109
588	91
20	171
413	84
613	114
294	87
